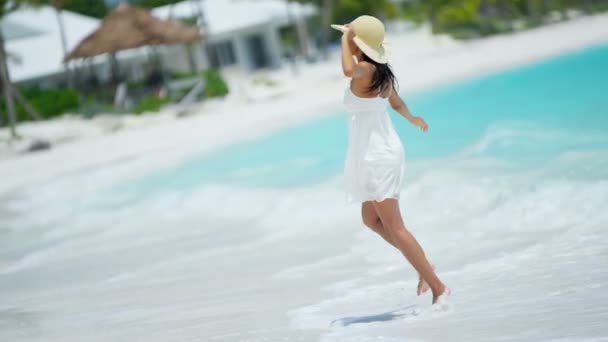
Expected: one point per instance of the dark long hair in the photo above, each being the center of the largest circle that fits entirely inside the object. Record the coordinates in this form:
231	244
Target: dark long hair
383	76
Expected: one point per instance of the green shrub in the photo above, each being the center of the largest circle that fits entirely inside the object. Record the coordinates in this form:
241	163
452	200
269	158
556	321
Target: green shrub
136	85
600	6
465	21
458	15
51	103
150	104
464	34
415	13
215	86
48	103
487	27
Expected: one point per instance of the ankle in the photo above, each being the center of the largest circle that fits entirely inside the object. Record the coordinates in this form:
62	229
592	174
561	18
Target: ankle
438	289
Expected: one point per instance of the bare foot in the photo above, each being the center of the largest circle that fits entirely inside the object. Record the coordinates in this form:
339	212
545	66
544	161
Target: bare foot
442	295
423	286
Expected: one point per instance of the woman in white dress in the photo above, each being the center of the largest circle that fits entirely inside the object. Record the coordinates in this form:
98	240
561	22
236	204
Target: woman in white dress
375	158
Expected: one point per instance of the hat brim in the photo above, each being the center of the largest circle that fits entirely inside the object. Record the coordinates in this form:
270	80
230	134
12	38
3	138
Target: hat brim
340	28
378	55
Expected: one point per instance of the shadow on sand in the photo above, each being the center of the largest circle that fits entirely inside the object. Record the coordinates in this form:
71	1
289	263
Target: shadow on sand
409	311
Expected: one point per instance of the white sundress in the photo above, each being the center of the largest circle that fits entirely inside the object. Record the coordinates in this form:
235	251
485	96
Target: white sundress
375	159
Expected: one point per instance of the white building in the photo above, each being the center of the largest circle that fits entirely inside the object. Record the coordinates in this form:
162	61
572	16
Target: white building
33	38
240	33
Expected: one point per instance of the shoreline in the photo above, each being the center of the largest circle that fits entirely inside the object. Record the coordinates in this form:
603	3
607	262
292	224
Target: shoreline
219	124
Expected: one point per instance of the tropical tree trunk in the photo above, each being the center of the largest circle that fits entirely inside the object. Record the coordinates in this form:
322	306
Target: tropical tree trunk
533	12
64	41
303	38
588	6
325	22
503	9
530	8
5	82
543	7
33	114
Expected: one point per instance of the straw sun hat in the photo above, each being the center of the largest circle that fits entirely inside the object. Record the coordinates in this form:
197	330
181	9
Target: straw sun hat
369	37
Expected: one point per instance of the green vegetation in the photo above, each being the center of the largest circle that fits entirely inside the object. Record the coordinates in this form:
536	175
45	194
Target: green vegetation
48	103
343	11
6	85
215	86
153	3
141	93
462	19
42	101
52	102
91	8
150	104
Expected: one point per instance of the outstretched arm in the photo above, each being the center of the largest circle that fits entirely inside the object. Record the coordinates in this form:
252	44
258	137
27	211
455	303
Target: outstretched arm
400	107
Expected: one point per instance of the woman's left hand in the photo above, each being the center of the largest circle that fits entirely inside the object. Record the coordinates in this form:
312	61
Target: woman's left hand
420	123
349	33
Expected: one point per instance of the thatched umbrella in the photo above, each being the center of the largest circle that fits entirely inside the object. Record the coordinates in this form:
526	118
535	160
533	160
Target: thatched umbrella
128	27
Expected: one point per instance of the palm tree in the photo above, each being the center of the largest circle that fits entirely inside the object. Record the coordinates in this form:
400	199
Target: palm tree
87	7
530	8
326	9
5	78
58	5
5	84
588	5
8	89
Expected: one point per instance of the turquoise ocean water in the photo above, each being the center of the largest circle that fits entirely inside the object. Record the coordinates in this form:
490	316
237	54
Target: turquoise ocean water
530	114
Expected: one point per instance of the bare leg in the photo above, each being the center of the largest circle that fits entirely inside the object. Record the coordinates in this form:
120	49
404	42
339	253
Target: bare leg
388	211
372	220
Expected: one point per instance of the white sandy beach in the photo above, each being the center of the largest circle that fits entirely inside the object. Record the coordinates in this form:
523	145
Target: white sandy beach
419	59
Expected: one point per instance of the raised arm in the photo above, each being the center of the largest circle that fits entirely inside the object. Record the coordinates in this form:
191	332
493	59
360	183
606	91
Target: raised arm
350	68
400	107
348	63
